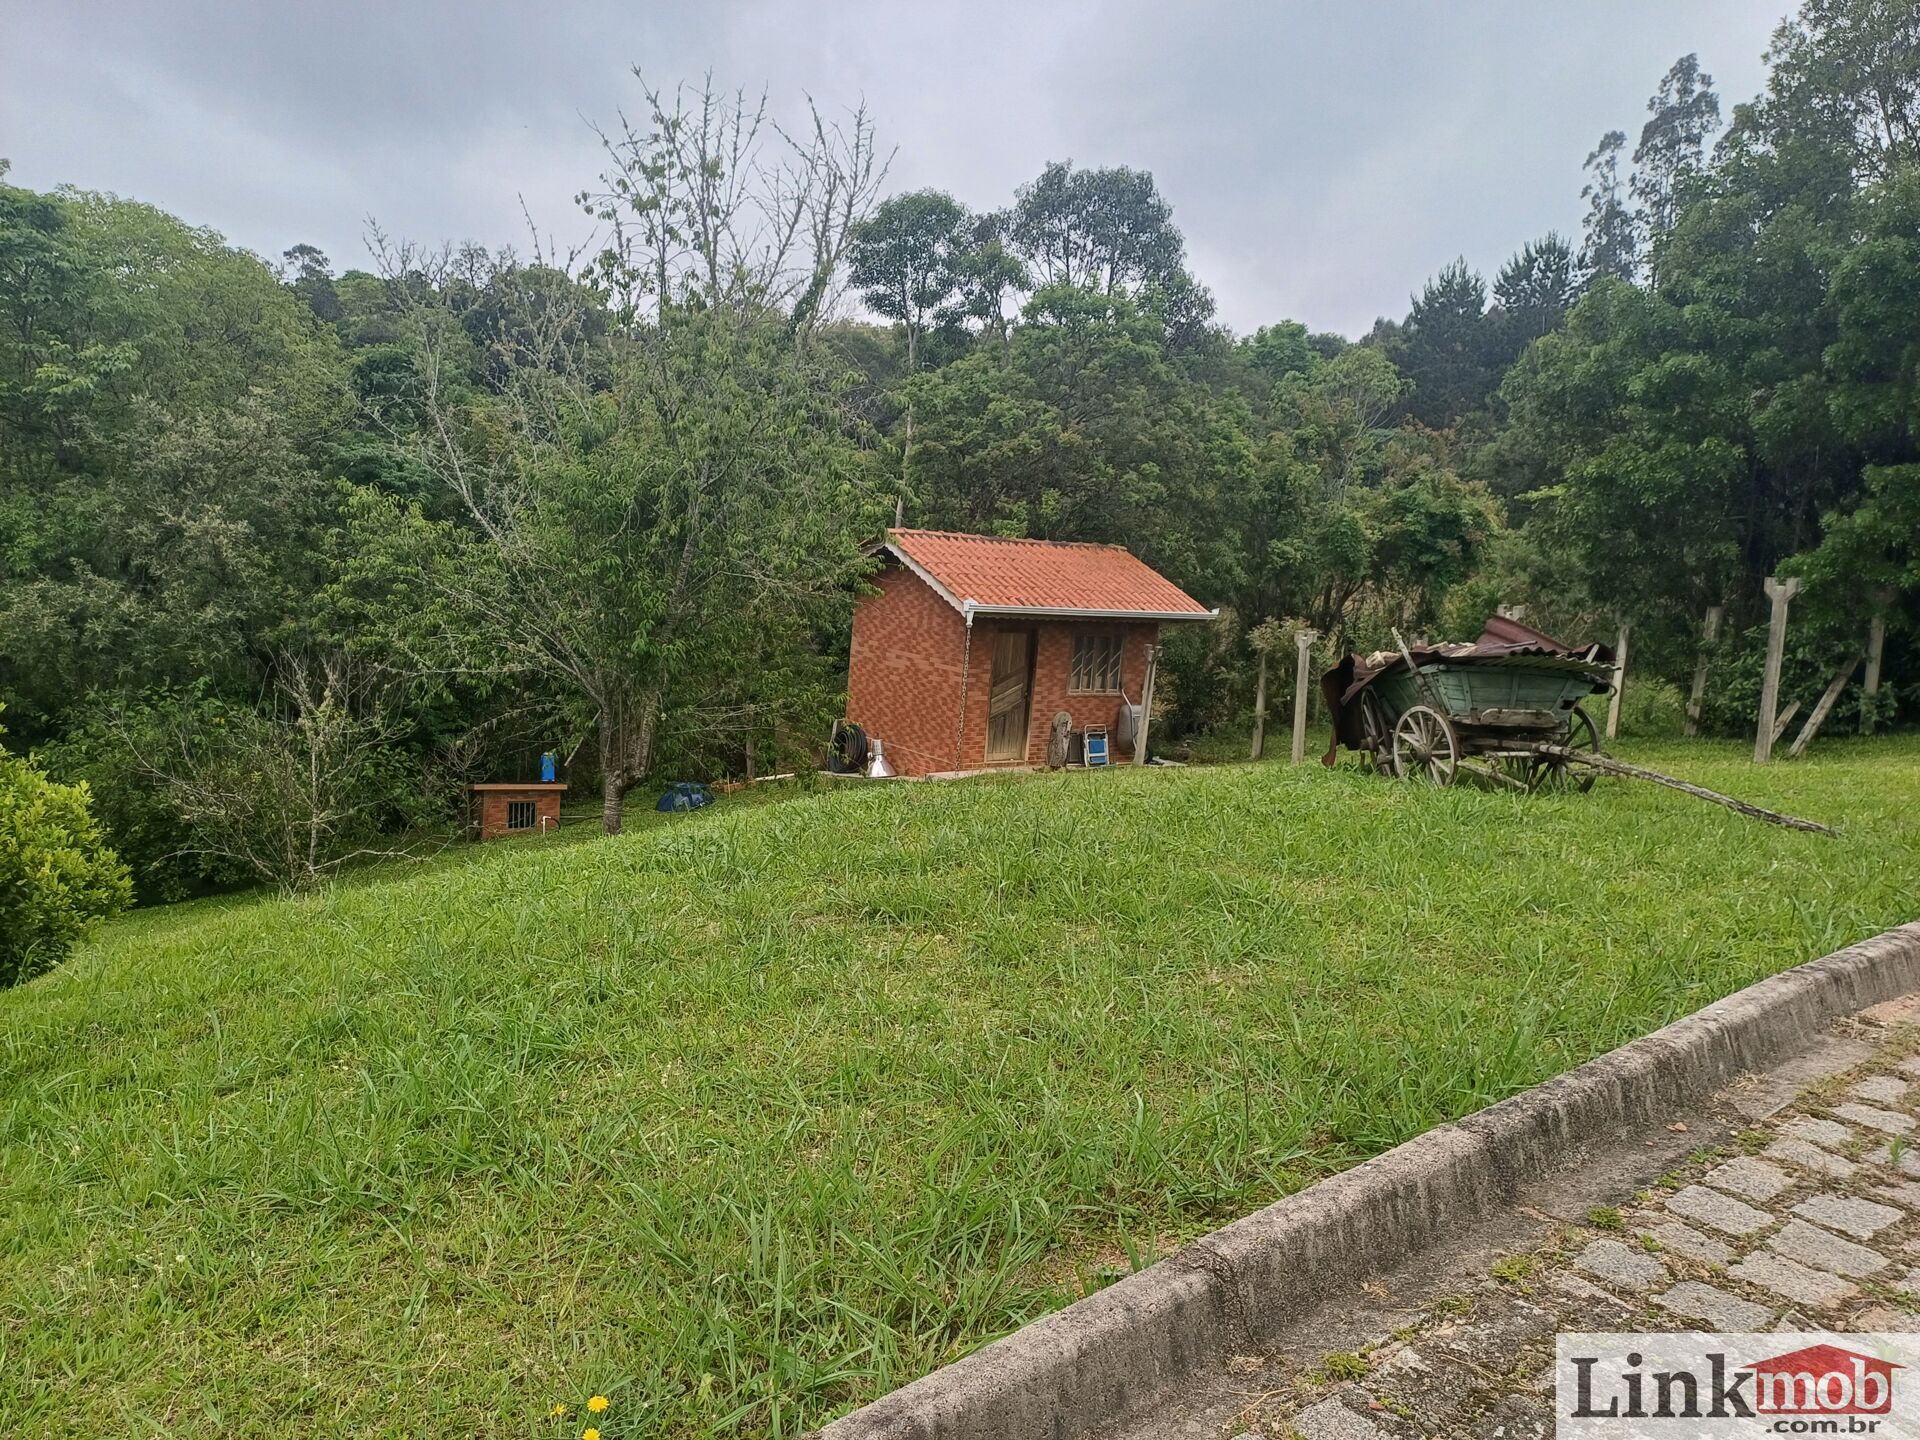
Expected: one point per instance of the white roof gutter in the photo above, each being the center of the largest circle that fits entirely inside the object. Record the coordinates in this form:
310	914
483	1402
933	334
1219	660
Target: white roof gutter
970	608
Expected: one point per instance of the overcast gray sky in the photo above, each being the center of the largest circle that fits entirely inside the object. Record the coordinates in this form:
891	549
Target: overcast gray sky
1323	156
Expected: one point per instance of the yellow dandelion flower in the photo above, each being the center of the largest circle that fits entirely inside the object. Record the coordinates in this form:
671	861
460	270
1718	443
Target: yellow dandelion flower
589	1434
597	1404
559	1408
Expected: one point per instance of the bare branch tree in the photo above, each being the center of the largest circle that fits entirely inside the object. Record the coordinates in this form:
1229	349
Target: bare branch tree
654	465
290	791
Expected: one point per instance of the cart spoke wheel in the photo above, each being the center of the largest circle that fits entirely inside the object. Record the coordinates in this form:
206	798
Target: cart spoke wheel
1559	777
1425	747
1374	734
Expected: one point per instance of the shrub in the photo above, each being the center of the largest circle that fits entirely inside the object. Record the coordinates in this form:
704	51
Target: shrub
1738	669
1650	709
57	876
163	855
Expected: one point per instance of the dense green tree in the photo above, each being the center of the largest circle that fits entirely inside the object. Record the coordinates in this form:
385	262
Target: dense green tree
1611	245
1449	350
1082	427
1535	289
1111	231
1685	444
309	274
910	263
1845	77
165	406
1672	149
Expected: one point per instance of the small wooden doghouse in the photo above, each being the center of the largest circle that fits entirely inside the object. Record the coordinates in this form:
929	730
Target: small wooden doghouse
509	807
971	644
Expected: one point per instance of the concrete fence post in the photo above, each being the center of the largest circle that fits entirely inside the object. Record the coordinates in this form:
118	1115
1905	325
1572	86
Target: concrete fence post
1302	677
1146	705
1260	711
1619	680
1780	593
1876	646
1696	701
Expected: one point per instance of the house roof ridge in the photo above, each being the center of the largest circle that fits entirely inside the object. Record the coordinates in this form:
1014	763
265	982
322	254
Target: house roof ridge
1008	539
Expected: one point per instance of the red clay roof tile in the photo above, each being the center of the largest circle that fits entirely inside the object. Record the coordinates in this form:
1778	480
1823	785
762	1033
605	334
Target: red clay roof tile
1040	575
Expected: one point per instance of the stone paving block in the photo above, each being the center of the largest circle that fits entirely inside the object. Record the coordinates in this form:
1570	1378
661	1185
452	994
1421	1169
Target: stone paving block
1685	1240
1881	1317
1800	1241
1882	1090
1515	1417
1405	1360
1575	1288
1695	1301
1861	1219
1888	1122
1748	1178
1439	1393
1334	1419
1910	1065
1791	1281
1585	1306
1820	1132
1909	1163
1717	1211
1905	1194
1810	1157
1613	1262
1491	1339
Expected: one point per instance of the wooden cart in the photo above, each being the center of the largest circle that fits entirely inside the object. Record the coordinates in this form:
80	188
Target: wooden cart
1503	714
1506	709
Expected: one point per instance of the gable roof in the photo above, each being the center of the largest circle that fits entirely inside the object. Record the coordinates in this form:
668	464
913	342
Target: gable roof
986	574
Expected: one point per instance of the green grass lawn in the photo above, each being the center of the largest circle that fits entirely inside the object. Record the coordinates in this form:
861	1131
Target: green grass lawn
746	1118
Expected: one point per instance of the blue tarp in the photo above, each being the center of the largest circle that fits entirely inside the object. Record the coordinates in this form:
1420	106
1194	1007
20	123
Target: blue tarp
685	795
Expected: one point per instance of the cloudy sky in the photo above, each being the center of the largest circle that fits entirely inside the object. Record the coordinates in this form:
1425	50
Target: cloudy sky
1322	158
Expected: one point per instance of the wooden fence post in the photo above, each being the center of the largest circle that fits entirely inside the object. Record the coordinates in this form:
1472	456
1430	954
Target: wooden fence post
1619	681
1780	593
1302	677
1709	632
1260	711
1876	645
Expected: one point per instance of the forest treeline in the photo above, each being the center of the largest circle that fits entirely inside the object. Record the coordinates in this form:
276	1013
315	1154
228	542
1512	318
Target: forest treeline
289	555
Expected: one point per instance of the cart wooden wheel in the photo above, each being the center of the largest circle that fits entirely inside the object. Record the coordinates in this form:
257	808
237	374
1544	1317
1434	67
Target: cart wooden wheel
1425	747
1559	777
1375	734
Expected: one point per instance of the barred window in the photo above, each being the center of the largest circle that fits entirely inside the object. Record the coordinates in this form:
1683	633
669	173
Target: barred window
1096	665
520	815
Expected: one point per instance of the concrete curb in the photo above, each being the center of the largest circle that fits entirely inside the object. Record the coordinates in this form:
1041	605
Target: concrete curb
1109	1357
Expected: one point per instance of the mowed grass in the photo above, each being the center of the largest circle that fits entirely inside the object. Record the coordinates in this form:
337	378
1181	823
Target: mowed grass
754	1116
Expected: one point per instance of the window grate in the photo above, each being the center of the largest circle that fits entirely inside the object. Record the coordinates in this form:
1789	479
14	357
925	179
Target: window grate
520	814
1095	669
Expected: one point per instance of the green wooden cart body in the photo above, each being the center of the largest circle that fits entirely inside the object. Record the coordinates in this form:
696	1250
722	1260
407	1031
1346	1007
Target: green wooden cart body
1531	693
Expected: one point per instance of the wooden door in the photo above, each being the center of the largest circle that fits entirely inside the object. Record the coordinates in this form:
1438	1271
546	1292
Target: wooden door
1009	695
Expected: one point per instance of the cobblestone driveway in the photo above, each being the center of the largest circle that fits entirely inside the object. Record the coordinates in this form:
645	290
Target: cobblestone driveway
1809	1221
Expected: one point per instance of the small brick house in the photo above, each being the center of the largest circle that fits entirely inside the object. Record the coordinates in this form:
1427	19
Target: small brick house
505	807
970	644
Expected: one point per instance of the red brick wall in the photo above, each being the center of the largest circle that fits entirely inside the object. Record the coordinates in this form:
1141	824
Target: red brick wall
491	810
905	673
1051	672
